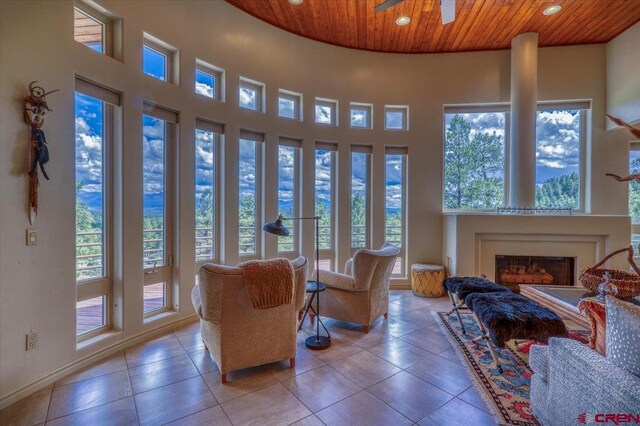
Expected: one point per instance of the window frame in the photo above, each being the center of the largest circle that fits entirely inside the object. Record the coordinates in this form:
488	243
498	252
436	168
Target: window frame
218	75
259	88
296	144
362	106
330	253
403	151
102	286
170	54
404	109
368	152
259	140
635	227
105	22
218	137
164	273
296	98
332	105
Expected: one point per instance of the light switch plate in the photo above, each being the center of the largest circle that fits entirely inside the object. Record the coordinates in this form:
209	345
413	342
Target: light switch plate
32	237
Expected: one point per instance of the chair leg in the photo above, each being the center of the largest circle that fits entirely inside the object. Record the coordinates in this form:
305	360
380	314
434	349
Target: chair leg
299	314
386	315
292	362
365	328
312	318
223	378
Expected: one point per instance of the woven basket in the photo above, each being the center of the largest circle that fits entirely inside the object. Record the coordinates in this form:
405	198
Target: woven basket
628	283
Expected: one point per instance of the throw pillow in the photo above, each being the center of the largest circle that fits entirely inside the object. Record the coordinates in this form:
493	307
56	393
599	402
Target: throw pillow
623	334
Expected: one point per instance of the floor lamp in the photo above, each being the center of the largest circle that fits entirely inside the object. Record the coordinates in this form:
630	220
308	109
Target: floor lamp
277	228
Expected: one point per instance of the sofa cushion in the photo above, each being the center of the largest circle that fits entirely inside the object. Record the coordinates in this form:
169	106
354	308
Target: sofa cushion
539	360
623	334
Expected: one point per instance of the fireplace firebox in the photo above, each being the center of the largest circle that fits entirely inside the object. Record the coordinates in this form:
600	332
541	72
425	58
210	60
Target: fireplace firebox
511	271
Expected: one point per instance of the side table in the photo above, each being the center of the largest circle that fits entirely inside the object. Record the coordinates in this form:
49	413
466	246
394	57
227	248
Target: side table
315	342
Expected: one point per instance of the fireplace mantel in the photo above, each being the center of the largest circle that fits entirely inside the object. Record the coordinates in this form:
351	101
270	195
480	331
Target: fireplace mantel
471	240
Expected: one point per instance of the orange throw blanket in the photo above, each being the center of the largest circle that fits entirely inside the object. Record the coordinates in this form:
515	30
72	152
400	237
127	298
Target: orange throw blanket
269	282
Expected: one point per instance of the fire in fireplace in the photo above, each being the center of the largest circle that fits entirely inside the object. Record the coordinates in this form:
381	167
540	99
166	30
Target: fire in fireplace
511	271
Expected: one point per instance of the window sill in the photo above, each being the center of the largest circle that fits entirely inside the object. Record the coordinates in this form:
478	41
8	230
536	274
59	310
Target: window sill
97	339
160	315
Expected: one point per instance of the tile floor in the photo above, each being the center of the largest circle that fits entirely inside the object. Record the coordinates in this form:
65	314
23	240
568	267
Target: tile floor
403	372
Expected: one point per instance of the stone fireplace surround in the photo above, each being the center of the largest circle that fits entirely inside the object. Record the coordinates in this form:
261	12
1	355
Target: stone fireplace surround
472	240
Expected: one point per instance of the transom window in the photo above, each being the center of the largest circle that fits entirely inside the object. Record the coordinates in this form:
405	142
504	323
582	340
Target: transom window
326	112
251	95
158	59
396	117
89	30
361	115
209	80
289	105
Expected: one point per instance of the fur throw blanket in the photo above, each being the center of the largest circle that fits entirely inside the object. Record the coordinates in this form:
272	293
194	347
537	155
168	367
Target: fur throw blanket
269	282
509	316
464	286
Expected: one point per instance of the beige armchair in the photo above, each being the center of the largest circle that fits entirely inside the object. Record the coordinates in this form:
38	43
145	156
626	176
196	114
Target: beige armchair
361	294
237	335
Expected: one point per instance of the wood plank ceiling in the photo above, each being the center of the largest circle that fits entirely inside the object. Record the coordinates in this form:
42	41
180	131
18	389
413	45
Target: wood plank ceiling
479	24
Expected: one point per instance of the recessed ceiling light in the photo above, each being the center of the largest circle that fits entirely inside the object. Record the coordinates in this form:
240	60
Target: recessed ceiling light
295	1
403	20
550	10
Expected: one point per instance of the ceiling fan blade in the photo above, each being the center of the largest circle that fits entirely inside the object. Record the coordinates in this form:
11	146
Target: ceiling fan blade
386	5
448	11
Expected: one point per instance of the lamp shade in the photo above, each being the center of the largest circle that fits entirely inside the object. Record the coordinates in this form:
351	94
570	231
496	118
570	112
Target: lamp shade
276	227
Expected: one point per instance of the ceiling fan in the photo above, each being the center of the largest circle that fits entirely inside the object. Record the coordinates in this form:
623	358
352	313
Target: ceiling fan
447	9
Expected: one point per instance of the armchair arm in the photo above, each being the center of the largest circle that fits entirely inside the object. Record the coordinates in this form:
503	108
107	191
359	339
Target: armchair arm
348	267
337	280
196	299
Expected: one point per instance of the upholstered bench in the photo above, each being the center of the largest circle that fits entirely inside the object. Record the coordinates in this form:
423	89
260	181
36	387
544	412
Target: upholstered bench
464	286
503	316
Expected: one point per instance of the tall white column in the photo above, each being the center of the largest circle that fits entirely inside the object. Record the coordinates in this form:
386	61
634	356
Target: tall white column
524	94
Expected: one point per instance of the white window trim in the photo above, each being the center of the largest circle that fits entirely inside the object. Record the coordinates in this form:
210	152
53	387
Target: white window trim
296	224
169	52
259	88
297	104
404	109
218	75
332	104
362	106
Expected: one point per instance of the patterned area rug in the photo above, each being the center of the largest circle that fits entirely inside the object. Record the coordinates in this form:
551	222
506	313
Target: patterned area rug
508	393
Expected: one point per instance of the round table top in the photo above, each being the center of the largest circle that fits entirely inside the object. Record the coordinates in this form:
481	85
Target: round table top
314	286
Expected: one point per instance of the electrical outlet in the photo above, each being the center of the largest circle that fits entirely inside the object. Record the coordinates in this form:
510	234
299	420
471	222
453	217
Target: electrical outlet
32	237
31	341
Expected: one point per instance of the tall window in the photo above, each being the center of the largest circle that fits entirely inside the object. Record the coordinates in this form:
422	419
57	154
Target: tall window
94	109
360	204
157	144
558	157
207	135
474	160
249	193
325	201
634	194
288	178
395	204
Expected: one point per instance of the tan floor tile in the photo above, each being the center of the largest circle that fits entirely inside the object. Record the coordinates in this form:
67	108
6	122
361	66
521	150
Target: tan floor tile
191	342
273	405
77	396
321	387
398	294
458	413
203	361
361	409
172	402
29	410
423	316
239	382
427	340
115	362
117	413
311	420
398	327
153	351
161	373
410	396
189	328
365	368
210	416
413	302
340	348
400	353
305	361
442	373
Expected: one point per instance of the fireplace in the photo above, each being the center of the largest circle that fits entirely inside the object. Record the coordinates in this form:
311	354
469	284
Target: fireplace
511	271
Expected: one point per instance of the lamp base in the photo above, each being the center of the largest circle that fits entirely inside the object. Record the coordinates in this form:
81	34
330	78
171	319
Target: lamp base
317	342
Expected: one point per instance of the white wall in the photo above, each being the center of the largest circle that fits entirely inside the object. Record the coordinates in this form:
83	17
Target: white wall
36	43
623	76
